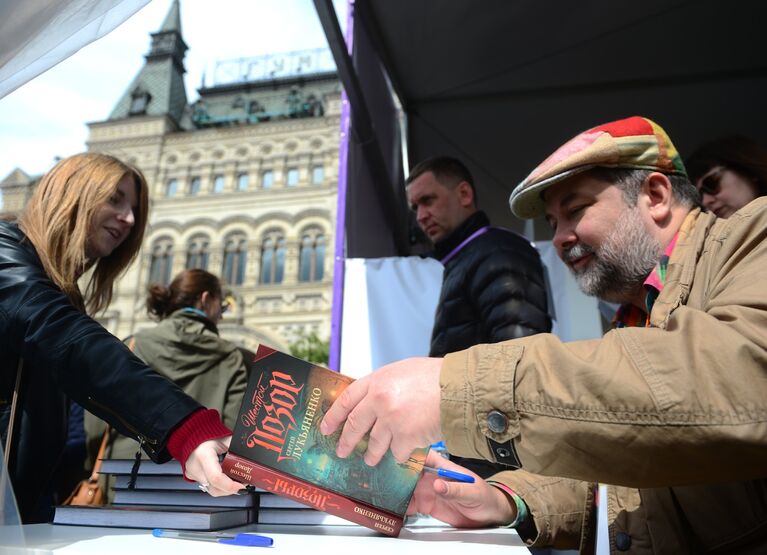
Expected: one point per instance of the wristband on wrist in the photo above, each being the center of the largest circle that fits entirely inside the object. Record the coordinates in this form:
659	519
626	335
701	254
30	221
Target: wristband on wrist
518	501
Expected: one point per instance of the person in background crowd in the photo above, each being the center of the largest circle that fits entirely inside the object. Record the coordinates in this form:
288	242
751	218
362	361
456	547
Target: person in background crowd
668	406
87	215
185	347
729	172
493	286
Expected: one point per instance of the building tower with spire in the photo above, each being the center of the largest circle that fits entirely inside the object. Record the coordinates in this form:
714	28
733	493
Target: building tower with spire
158	89
242	183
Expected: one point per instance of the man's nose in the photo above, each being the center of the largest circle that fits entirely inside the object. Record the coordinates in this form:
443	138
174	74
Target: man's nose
564	238
421	214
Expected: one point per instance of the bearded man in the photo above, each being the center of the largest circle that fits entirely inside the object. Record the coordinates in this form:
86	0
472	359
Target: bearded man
670	402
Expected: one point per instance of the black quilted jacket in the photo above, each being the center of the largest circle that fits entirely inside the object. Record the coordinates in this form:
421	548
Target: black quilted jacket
493	289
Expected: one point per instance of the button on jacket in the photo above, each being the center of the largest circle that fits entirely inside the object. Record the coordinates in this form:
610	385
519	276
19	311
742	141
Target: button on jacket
679	403
67	353
493	289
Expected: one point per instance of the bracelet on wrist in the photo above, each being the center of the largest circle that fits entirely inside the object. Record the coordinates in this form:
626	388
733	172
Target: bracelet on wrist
518	502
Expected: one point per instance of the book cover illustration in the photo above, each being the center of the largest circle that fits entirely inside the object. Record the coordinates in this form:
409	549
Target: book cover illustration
278	428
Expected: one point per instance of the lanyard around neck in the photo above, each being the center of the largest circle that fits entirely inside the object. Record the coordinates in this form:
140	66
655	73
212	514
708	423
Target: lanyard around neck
463	243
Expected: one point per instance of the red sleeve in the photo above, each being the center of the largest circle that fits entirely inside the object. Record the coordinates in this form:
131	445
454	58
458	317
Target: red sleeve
200	426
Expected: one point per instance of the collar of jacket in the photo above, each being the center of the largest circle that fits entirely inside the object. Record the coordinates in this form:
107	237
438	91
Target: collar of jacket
11	231
204	320
471	224
681	266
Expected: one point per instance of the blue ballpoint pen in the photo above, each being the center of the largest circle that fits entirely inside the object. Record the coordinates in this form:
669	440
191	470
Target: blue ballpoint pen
252	540
452	475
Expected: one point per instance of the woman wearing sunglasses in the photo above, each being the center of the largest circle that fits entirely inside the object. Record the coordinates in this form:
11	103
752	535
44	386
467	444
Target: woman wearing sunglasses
729	172
185	348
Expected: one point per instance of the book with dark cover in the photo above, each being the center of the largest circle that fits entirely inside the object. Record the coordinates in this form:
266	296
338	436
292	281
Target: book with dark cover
161	482
273	501
183	498
277	446
138	516
174	483
146	468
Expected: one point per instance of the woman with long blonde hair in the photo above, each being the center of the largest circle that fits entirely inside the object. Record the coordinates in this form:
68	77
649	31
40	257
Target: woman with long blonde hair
87	214
57	221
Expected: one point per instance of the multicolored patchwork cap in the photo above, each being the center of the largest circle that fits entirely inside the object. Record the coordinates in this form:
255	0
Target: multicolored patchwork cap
634	143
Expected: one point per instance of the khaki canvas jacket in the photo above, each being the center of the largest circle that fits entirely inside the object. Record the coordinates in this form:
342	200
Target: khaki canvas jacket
187	349
681	402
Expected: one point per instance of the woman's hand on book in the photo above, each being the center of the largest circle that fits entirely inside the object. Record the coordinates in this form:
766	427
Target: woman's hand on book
202	466
458	504
397	404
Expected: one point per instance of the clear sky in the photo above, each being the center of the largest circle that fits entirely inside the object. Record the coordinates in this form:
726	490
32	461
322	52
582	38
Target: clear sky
46	117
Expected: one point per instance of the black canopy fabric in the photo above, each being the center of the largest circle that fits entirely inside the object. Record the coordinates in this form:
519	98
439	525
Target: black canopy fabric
502	83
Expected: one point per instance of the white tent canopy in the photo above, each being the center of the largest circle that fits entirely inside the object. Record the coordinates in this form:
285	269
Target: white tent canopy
35	35
501	83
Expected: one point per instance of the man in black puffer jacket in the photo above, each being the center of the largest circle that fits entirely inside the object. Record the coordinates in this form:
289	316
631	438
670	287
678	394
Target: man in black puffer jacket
493	287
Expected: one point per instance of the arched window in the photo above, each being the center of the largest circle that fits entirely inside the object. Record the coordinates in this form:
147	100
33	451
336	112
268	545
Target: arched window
318	175
312	257
194	186
235	257
267	179
218	184
162	261
292	177
242	182
171	188
197	252
273	257
139	101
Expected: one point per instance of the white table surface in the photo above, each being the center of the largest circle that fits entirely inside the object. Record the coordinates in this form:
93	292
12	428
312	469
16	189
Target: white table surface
321	540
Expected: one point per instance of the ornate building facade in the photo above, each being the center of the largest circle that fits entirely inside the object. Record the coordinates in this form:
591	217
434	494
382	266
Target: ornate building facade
243	183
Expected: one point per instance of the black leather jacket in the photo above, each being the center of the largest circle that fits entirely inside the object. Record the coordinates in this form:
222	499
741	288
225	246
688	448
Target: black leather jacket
66	353
493	289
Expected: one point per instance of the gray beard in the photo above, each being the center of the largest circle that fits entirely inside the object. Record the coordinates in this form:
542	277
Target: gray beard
621	264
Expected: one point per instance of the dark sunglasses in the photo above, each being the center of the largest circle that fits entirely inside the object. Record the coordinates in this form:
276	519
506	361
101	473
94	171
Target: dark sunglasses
227	303
711	184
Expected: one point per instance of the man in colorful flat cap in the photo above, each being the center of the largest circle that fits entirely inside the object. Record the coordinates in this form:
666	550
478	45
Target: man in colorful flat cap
673	396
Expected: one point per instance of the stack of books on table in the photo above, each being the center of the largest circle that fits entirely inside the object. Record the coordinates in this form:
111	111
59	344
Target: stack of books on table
161	498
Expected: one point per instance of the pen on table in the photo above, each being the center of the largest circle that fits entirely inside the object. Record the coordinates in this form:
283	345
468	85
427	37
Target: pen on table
252	540
451	474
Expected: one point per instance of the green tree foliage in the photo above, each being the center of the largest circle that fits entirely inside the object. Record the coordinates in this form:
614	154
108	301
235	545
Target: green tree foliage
312	348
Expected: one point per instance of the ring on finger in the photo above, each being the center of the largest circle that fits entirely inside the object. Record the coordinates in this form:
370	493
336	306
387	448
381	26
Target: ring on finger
203	487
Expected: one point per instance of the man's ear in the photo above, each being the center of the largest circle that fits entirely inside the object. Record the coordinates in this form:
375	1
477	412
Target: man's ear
657	197
465	194
204	299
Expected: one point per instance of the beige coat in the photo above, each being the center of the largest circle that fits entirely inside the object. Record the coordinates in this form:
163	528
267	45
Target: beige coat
683	402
